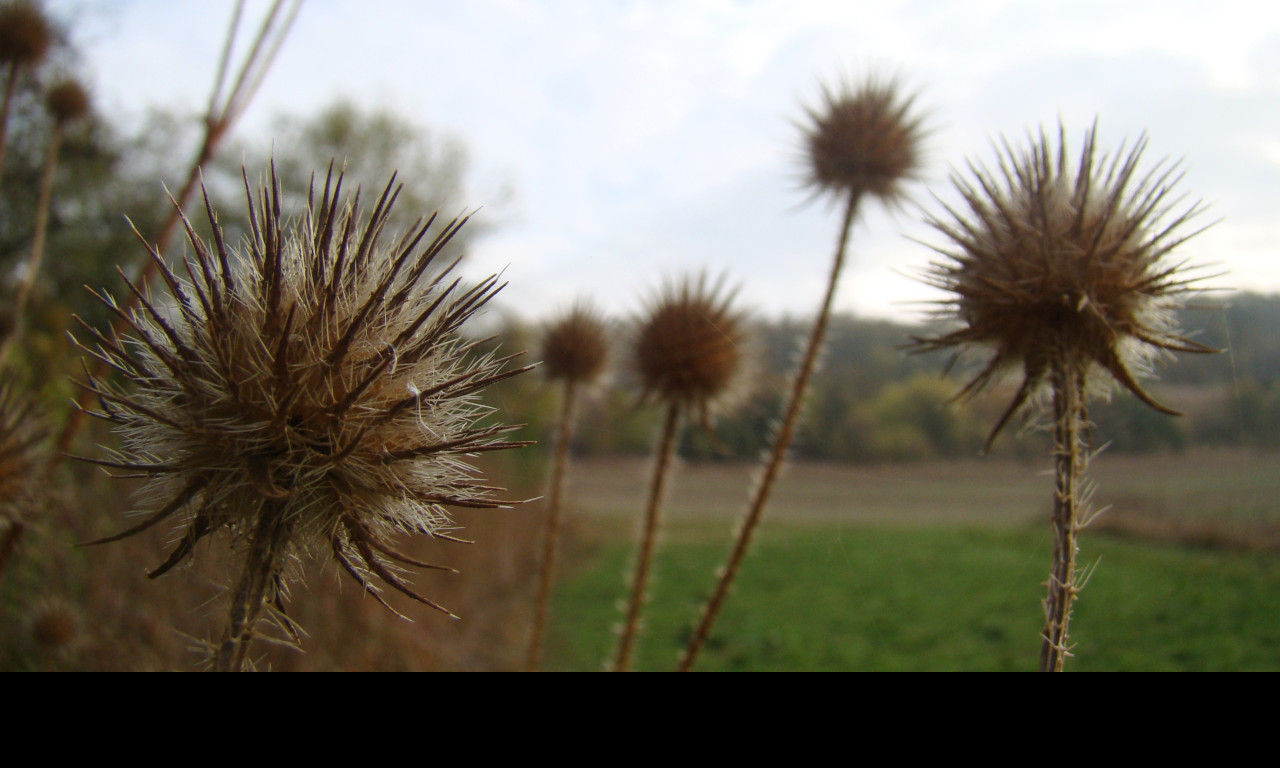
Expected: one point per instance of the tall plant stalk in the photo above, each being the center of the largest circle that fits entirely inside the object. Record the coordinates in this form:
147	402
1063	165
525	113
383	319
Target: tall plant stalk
551	537
260	578
220	117
6	107
689	355
1070	456
36	258
649	537
781	444
862	142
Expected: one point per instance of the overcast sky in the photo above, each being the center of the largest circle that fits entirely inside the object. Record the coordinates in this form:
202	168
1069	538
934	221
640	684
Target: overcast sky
630	141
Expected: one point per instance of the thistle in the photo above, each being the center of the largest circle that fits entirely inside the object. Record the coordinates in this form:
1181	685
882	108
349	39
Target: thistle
67	102
25	39
307	390
574	353
863	141
689	355
1060	268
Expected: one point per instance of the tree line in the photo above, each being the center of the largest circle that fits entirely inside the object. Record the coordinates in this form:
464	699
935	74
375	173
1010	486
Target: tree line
874	401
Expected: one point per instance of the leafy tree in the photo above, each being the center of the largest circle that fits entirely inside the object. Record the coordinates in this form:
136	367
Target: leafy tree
368	145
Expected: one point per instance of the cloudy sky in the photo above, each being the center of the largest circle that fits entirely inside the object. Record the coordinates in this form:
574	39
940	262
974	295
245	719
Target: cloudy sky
631	141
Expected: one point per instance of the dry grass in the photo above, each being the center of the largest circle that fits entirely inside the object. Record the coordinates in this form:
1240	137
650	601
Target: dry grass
131	623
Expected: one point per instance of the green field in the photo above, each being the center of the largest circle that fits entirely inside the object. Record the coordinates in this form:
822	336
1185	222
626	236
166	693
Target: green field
939	567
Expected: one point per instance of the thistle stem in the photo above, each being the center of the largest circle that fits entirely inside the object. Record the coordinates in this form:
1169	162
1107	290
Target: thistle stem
551	541
781	444
36	257
257	582
10	88
640	585
218	121
1070	458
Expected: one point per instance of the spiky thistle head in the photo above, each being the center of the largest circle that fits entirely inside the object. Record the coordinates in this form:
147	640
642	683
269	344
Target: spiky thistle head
863	139
25	33
21	435
1054	256
575	348
317	374
689	350
67	101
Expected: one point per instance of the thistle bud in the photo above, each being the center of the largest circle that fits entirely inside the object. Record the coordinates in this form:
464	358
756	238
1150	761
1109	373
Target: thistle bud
67	102
575	348
689	350
863	139
1058	256
25	34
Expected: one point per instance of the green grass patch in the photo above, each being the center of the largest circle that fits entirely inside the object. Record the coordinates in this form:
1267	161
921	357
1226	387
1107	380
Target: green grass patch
844	597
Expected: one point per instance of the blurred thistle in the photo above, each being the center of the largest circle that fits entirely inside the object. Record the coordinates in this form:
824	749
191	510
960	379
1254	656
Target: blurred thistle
690	355
1059	267
689	351
21	436
25	33
25	39
307	390
67	102
864	140
575	350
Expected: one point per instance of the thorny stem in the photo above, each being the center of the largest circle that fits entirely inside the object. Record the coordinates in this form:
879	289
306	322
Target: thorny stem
781	443
666	450
1070	458
261	569
550	542
36	258
218	123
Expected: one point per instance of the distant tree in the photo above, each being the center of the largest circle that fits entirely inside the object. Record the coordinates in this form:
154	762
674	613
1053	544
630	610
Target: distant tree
1244	327
1128	426
368	144
922	407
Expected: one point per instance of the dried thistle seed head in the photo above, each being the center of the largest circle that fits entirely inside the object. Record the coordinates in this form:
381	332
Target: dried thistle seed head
67	101
863	140
690	349
21	435
316	374
25	33
1054	256
575	348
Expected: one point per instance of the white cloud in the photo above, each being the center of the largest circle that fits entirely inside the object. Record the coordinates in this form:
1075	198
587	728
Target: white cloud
651	137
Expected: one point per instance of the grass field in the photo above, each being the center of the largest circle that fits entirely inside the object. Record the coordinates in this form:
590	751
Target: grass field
939	567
